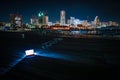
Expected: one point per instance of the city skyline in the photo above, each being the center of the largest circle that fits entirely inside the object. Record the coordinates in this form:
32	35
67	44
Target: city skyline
107	11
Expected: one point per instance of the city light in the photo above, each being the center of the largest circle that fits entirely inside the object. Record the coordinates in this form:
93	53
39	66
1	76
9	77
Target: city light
41	21
40	14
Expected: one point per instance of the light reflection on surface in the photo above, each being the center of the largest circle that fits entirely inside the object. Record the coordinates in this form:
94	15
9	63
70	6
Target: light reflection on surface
12	64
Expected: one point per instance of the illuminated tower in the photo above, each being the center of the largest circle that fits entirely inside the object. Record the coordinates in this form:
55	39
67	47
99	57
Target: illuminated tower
62	17
46	19
34	20
16	20
41	18
72	19
96	20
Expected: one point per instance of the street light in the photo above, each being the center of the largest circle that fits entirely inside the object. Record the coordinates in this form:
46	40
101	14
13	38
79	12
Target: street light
30	52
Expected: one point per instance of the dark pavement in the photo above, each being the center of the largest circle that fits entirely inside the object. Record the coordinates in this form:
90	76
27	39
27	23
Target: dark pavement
68	59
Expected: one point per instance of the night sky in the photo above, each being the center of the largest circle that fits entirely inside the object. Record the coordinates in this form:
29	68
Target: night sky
106	9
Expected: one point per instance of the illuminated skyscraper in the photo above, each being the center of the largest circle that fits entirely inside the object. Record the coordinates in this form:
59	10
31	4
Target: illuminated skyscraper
72	20
41	18
96	20
62	17
16	20
34	20
46	19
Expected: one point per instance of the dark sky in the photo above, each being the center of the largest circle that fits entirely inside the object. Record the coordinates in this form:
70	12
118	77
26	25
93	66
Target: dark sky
106	9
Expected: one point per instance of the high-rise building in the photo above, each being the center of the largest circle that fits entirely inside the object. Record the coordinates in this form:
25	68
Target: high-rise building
68	21
96	20
45	20
41	18
34	20
72	20
16	20
62	17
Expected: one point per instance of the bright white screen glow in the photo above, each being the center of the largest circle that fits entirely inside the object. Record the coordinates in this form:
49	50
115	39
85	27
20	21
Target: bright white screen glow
29	52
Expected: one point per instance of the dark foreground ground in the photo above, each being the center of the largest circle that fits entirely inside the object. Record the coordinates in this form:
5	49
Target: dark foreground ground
67	59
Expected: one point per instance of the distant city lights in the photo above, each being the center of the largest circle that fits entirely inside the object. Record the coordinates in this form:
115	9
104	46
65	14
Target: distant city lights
41	21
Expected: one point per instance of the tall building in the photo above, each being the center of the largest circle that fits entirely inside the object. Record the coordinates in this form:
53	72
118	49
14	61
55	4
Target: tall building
68	21
72	20
96	20
41	18
45	20
62	17
16	20
34	20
